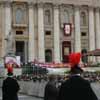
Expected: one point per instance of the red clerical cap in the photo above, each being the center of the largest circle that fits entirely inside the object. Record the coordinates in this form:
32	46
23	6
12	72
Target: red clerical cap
74	59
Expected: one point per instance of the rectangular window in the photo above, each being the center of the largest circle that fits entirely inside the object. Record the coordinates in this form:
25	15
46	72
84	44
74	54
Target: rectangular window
83	33
19	32
48	33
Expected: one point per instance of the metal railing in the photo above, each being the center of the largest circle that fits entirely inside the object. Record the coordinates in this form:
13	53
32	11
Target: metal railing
33	69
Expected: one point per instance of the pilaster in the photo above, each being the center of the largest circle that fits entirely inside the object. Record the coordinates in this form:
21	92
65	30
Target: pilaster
41	49
91	32
56	34
77	30
31	43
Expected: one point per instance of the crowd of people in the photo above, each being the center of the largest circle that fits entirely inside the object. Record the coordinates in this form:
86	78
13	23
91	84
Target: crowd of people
55	80
54	83
73	86
90	76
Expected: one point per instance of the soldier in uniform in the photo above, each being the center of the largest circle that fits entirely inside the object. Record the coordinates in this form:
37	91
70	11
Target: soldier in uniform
76	87
10	87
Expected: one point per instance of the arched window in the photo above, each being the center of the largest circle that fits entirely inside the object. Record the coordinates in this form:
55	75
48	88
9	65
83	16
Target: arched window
66	16
48	55
19	15
83	18
47	17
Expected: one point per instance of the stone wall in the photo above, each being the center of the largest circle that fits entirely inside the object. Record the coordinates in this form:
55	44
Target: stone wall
32	88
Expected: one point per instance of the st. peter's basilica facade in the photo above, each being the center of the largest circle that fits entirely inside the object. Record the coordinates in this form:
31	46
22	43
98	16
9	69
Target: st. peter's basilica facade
49	30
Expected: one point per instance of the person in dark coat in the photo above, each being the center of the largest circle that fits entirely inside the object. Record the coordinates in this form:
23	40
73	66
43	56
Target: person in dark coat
51	91
76	87
10	87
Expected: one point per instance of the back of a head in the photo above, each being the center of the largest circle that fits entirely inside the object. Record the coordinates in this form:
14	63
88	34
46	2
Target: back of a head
10	74
76	70
10	71
52	77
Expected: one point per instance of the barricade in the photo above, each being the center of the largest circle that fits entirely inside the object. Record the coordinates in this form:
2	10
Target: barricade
32	88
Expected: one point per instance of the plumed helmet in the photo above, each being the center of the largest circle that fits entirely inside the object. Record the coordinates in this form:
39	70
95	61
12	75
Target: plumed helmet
10	70
74	60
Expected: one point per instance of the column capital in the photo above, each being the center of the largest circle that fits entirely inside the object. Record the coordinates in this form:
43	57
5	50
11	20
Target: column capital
90	8
7	3
77	7
56	6
1	3
40	5
97	9
30	4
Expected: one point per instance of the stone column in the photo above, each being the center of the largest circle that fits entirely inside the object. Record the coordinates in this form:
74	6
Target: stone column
31	43
2	28
77	30
97	18
26	50
91	32
41	49
56	35
8	18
